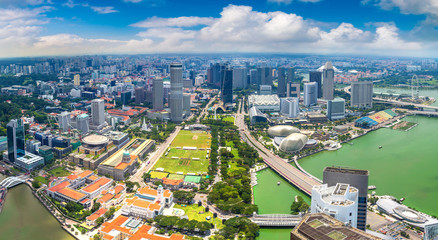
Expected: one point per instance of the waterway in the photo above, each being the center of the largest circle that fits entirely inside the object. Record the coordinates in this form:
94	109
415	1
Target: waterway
24	217
422	92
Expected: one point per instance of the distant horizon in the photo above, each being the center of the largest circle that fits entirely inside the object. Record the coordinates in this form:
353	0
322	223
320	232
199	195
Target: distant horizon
39	28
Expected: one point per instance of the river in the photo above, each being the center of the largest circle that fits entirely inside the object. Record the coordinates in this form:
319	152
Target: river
24	217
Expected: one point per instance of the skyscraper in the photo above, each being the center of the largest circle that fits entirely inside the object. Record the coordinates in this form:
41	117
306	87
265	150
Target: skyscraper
328	81
64	121
16	140
158	93
336	109
355	178
140	95
176	93
264	76
253	76
125	97
317	77
362	94
227	85
281	89
98	112
291	74
77	80
310	93
289	107
239	78
295	90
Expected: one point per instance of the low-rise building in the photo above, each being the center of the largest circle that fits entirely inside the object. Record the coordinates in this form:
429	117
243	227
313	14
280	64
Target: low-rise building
148	202
91	220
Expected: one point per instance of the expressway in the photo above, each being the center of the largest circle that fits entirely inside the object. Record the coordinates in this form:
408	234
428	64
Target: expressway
293	175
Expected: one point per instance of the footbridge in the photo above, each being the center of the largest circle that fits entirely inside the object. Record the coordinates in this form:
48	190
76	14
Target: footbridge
13	181
276	220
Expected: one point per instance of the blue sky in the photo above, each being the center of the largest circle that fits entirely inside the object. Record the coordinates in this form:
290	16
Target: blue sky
76	27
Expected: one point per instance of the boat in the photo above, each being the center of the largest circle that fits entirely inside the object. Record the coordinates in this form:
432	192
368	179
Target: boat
278	183
371	187
402	199
380	147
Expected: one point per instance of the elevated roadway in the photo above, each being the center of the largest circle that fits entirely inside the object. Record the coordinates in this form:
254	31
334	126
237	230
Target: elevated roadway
13	181
276	220
293	175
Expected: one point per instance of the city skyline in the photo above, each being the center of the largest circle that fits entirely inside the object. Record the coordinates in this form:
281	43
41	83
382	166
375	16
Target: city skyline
74	27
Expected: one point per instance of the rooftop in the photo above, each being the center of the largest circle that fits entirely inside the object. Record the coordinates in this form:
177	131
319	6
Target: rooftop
96	185
346	170
59	186
73	194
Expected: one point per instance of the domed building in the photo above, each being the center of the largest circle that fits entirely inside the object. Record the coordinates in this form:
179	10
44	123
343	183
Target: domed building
294	142
282	130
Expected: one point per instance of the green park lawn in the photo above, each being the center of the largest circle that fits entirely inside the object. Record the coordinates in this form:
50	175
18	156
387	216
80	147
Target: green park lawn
192	211
180	153
41	180
192	139
59	172
181	165
228	119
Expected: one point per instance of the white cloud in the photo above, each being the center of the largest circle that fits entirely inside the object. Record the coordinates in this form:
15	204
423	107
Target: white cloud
70	4
238	29
133	1
103	10
411	6
174	22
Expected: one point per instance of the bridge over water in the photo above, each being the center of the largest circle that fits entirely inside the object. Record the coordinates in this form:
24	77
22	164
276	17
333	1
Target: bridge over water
13	181
276	220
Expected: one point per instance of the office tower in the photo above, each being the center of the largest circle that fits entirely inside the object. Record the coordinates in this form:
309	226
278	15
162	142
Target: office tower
125	97
355	178
176	93
310	93
281	89
288	90
227	85
82	123
317	77
77	80
239	78
289	107
291	74
187	83
158	93
98	112
336	109
295	90
265	90
186	103
339	201
199	80
214	74
264	76
362	94
328	81
253	76
16	140
140	95
64	121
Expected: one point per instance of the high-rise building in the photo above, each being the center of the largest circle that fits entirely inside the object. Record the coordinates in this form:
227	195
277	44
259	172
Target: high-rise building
140	95
317	77
355	178
214	73
362	94
253	76
289	107
176	93
77	80
239	78
328	81
98	112
16	140
336	109
64	121
227	85
264	76
291	74
339	201
295	90
82	123
125	97
281	89
187	101
158	93
310	93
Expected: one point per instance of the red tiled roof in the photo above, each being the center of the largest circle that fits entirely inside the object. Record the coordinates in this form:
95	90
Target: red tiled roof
85	173
59	186
118	189
96	185
99	213
73	194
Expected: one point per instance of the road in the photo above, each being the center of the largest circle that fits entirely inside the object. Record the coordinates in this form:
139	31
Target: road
282	167
147	165
205	110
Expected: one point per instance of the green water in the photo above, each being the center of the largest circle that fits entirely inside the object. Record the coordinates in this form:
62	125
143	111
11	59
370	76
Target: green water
24	217
272	198
406	166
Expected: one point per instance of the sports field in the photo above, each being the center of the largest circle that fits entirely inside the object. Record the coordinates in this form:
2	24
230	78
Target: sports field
192	139
185	162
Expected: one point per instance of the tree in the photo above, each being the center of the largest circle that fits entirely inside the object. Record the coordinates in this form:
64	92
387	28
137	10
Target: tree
129	186
95	207
36	184
99	221
73	207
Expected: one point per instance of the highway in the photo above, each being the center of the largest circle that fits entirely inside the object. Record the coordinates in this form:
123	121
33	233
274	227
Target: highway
293	175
